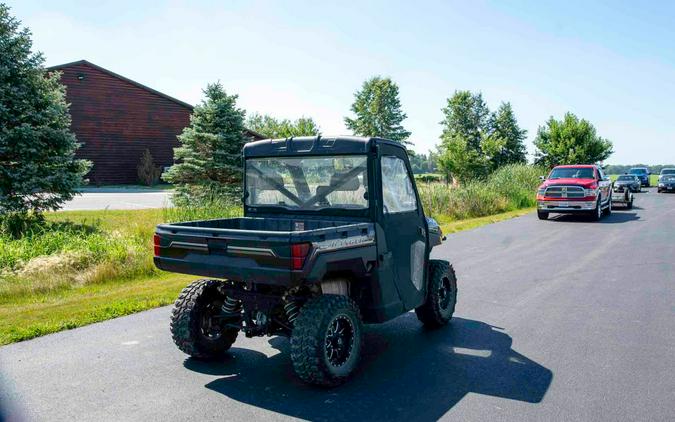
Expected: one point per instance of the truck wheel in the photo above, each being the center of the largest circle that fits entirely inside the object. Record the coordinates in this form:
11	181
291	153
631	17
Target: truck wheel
193	328
596	214
629	204
441	296
543	215
326	340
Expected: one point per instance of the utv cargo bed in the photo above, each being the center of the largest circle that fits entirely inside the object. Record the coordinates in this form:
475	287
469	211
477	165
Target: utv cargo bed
263	250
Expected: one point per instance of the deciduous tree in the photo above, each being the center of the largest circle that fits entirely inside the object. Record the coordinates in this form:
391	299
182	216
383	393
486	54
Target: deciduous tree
570	141
272	127
378	112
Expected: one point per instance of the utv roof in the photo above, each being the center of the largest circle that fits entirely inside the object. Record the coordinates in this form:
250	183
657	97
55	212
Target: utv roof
314	145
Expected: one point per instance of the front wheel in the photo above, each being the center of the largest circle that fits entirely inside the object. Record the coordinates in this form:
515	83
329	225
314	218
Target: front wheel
196	327
326	340
608	210
439	306
596	215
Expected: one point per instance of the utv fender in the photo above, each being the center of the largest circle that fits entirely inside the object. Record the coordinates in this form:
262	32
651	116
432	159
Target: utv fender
357	261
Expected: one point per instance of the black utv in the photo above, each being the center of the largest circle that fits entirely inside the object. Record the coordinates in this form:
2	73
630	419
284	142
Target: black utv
333	236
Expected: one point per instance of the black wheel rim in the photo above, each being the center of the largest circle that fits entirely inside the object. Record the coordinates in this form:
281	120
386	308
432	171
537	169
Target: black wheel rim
339	340
210	327
446	294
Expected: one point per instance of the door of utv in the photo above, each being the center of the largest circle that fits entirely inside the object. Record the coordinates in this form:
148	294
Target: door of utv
404	226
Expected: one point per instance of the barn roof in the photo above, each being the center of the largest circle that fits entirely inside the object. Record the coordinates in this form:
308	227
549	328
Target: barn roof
137	84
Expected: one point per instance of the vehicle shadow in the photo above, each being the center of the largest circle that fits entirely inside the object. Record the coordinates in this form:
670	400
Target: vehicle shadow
406	372
617	217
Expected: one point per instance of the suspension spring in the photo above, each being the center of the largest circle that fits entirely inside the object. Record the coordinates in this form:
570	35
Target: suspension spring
231	306
292	311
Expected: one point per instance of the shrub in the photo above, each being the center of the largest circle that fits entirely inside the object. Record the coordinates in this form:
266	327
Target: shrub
148	172
55	255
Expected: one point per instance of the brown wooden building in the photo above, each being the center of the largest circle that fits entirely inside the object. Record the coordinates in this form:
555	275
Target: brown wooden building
116	119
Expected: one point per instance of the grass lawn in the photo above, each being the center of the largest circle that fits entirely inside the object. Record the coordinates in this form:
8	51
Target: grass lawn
28	317
31	307
449	226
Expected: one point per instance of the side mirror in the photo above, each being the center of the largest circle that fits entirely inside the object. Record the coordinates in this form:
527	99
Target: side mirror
542	178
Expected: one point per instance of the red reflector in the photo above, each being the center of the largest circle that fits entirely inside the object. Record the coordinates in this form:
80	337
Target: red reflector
155	241
299	252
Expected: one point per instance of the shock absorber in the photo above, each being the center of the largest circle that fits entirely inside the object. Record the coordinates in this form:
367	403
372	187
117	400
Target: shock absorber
292	311
231	306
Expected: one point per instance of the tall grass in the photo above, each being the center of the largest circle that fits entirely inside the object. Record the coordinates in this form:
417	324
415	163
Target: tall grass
203	210
73	249
509	188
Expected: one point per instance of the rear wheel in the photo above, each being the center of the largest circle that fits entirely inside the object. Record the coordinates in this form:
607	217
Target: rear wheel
326	340
441	295
543	215
195	326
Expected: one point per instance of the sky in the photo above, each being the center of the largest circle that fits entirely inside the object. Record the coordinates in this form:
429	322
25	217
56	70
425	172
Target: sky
612	63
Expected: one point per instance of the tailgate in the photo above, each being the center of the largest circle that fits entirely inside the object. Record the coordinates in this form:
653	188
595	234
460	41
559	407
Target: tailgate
239	255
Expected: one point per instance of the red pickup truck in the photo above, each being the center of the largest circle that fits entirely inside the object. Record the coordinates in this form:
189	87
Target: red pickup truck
575	189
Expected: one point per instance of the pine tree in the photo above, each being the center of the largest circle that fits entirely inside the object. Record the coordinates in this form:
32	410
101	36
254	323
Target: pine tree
209	159
378	111
38	169
504	126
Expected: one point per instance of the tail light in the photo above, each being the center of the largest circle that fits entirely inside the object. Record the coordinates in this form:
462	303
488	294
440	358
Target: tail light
299	252
155	241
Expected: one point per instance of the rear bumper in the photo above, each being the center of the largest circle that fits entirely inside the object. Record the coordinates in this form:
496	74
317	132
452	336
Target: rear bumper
621	197
566	206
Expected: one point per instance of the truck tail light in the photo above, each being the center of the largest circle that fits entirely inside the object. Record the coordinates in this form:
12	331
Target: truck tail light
299	252
155	241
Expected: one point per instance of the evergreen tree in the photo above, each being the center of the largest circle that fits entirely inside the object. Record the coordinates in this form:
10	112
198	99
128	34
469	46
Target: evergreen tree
38	169
570	141
377	110
504	126
271	127
209	159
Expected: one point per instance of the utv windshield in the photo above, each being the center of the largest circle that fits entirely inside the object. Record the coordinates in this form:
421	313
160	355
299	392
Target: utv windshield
308	183
572	173
638	171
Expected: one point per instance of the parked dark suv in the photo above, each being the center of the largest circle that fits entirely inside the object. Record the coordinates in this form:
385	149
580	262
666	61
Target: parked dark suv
642	173
333	235
667	180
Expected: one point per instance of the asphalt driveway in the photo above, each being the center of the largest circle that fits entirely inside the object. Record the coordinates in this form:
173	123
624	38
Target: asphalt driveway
559	320
119	199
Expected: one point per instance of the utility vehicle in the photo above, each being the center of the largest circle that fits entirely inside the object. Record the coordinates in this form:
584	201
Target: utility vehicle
575	189
333	236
